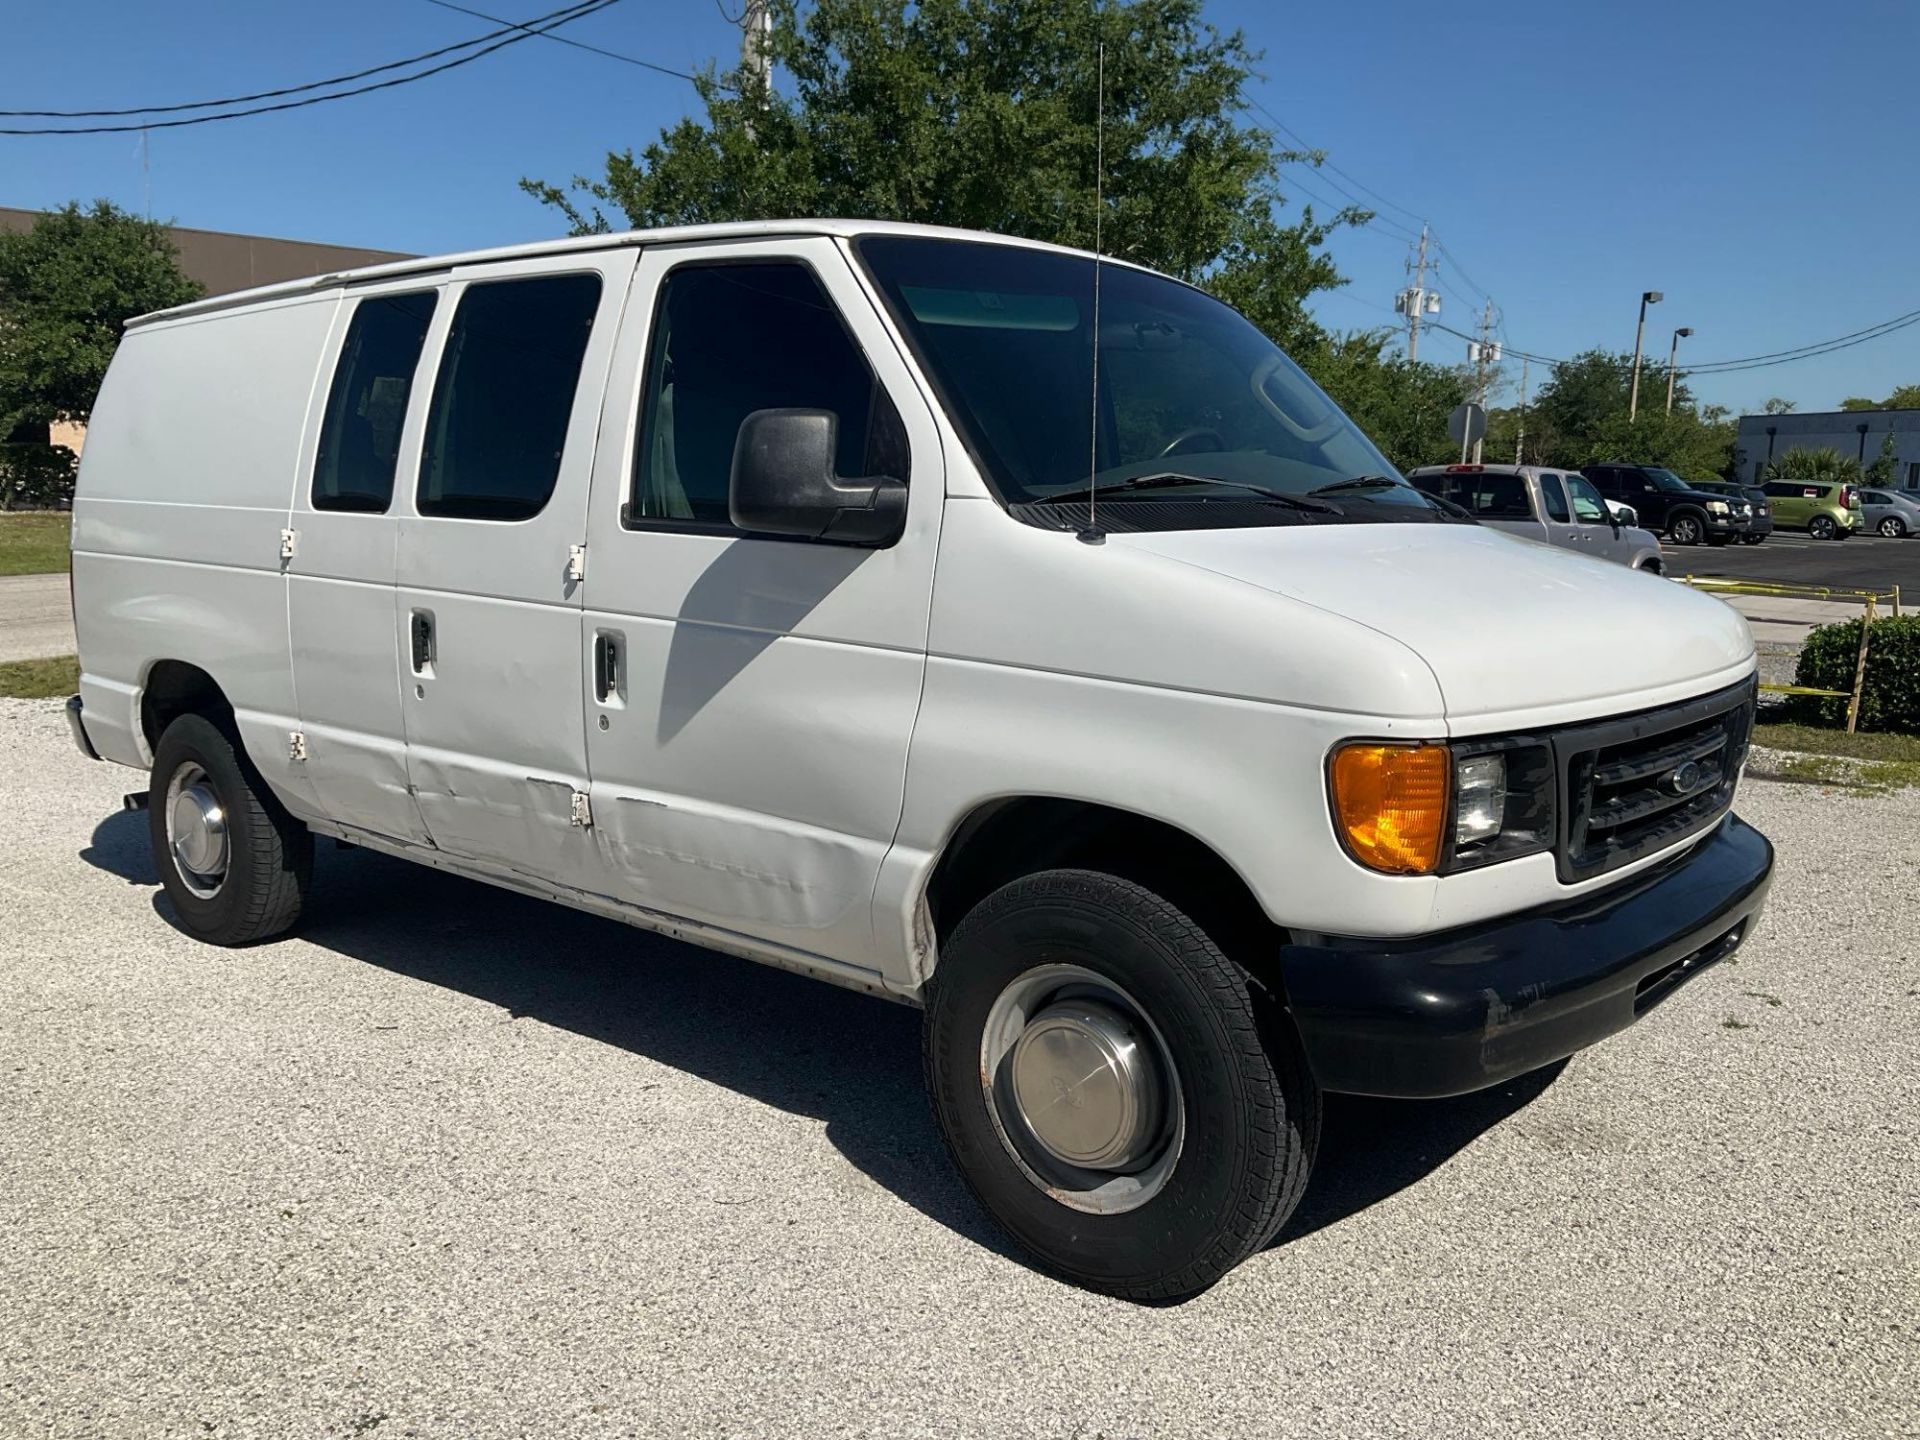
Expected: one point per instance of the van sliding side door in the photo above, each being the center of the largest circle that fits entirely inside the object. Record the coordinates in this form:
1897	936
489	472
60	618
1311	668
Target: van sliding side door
491	558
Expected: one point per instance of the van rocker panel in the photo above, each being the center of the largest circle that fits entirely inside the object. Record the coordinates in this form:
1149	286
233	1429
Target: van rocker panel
1456	1012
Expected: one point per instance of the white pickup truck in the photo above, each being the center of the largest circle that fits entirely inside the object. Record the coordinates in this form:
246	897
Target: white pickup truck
806	591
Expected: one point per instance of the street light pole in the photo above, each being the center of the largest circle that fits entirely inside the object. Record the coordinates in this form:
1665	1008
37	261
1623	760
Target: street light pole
1648	297
1673	350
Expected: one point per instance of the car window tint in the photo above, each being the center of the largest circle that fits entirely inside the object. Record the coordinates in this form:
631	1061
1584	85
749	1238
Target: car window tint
504	396
1588	507
1553	497
360	434
732	339
1498	497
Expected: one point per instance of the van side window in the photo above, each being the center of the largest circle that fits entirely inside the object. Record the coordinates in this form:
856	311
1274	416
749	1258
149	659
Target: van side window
1553	497
504	396
360	434
730	339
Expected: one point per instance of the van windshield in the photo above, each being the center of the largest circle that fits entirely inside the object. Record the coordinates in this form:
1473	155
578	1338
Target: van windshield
1193	401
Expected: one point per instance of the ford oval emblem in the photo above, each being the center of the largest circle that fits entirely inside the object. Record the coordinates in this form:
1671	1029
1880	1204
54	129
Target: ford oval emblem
1684	778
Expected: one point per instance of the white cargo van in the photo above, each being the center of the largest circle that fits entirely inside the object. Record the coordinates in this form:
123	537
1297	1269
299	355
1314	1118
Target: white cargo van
795	589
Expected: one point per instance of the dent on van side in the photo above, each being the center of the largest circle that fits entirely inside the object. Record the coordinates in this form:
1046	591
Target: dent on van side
754	584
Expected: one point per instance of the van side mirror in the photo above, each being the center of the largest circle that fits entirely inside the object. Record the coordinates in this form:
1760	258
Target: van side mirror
783	483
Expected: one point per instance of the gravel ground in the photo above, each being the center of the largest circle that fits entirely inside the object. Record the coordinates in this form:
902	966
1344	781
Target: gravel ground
456	1163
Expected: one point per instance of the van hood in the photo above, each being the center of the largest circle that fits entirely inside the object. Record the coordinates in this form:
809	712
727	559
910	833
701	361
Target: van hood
1514	631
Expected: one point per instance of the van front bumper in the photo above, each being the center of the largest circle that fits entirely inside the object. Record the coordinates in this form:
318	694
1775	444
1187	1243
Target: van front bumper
1452	1013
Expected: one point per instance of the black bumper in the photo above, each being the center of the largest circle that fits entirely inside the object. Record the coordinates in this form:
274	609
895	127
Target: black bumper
1447	1014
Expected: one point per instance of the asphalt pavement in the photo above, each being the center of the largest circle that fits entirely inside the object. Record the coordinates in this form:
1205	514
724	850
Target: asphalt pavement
36	618
1864	562
458	1163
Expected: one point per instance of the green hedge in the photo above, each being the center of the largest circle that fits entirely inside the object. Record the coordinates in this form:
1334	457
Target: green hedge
36	477
1891	697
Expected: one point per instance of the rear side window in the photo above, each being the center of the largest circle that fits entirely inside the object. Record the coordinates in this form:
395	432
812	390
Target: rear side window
1553	497
504	396
731	339
360	436
1498	497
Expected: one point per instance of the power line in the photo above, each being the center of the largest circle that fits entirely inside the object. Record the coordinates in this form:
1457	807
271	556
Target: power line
327	84
576	44
1299	140
525	32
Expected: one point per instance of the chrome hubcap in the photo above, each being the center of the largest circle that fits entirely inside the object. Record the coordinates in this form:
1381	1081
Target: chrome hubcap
197	830
1081	1089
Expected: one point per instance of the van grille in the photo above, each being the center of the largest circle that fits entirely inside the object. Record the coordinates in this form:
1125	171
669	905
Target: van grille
1638	784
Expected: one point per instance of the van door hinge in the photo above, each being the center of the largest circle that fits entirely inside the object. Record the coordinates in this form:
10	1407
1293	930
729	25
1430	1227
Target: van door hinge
582	811
288	538
576	562
297	745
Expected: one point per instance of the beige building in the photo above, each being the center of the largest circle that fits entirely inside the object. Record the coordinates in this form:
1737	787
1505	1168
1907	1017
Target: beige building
224	262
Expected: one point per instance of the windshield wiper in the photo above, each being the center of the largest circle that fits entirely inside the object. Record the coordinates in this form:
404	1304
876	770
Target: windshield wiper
1175	478
1357	482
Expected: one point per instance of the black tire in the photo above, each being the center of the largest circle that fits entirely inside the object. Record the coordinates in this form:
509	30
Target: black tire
1893	527
269	854
1687	528
1251	1110
1821	527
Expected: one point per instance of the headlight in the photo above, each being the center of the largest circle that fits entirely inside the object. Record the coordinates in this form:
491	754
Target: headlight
1424	808
1716	507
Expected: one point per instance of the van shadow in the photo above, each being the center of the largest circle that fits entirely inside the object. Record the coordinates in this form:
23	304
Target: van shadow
848	1060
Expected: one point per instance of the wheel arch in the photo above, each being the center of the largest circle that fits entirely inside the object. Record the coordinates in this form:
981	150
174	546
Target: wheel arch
1003	839
172	688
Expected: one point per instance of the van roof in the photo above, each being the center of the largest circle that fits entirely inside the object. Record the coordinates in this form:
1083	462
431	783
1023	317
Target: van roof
676	234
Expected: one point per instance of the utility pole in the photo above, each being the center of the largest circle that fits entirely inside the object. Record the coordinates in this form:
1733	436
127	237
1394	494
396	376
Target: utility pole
756	26
1649	297
1520	440
1416	300
1485	354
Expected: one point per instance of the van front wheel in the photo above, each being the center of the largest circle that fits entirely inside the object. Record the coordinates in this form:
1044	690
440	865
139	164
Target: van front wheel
1127	1100
234	863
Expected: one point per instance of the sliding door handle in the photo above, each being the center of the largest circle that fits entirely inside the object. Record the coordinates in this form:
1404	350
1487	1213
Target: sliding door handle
421	632
606	668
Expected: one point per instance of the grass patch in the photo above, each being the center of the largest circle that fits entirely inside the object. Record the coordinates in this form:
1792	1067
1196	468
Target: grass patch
1837	742
40	679
34	543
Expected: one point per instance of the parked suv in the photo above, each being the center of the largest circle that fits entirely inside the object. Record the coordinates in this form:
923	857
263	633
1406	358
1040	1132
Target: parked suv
1750	505
1684	513
754	584
1825	509
1557	507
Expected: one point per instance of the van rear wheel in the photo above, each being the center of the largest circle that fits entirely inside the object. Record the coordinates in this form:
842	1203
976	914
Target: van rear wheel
234	863
1123	1097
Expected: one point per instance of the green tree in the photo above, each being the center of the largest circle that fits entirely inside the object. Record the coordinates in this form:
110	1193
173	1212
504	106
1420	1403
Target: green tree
981	114
1402	404
67	286
1822	465
1885	469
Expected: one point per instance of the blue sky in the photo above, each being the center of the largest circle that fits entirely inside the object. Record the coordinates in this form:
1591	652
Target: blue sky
1754	161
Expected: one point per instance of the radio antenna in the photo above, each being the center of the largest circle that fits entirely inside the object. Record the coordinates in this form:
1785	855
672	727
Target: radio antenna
1092	533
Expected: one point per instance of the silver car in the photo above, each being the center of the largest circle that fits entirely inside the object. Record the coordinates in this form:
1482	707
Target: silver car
1538	502
1893	513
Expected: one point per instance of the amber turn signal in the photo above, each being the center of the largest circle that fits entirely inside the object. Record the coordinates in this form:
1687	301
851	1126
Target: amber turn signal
1390	804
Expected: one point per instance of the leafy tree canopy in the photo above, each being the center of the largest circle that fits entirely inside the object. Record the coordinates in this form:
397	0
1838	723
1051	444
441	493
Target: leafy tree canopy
1822	465
981	114
67	286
